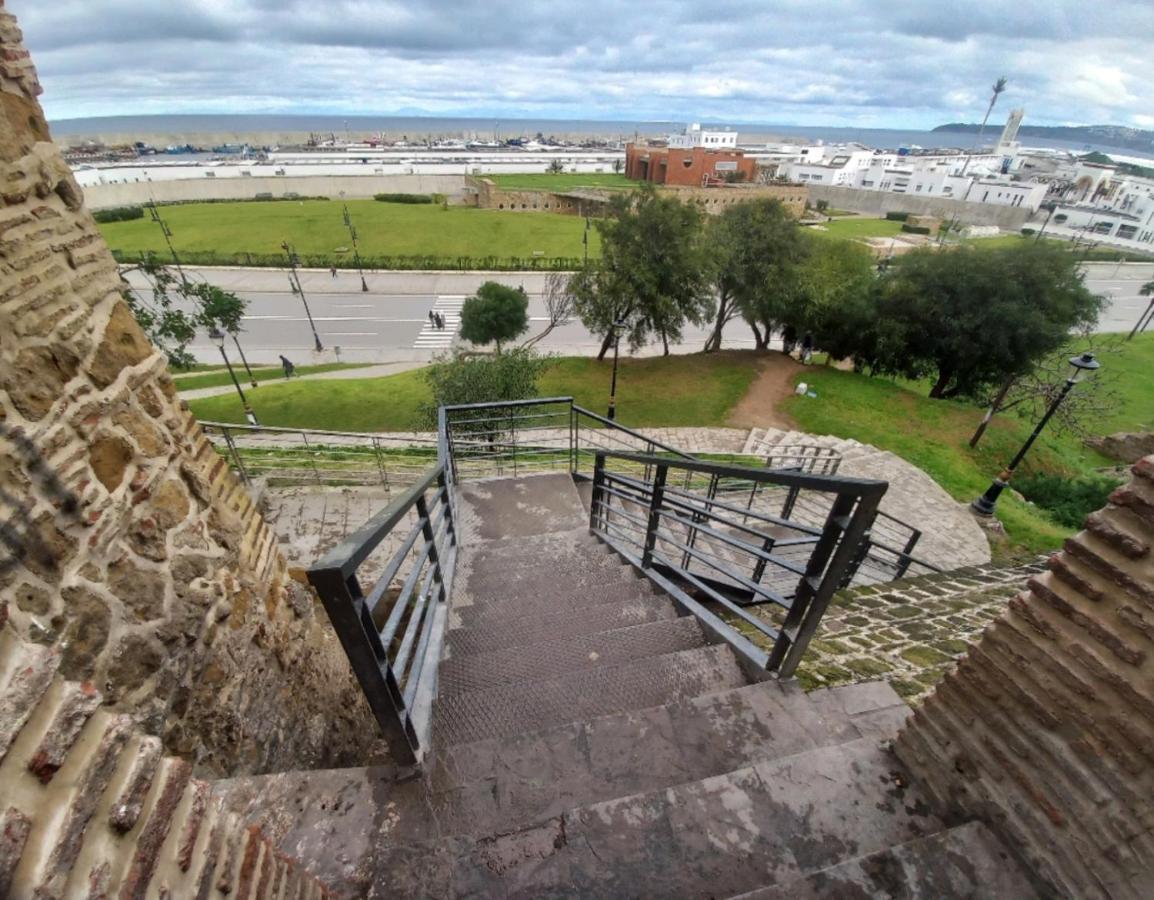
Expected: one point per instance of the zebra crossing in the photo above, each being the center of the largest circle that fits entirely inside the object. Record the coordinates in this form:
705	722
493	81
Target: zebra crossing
432	338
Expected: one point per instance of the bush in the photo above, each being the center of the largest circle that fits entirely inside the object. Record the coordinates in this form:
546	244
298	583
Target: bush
915	229
469	378
118	214
405	198
1026	232
422	262
1068	500
897	216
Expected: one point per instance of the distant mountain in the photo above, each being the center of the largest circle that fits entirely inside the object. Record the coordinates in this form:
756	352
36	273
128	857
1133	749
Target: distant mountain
1111	135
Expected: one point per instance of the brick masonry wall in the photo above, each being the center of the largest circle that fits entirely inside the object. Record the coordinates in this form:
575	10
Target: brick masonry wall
1046	727
90	807
127	546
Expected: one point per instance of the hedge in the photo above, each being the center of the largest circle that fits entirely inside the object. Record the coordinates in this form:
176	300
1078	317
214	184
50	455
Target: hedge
422	262
897	216
118	214
915	229
404	198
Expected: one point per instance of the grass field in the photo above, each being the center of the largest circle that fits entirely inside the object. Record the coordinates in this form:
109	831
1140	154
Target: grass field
220	376
676	390
383	229
564	181
856	229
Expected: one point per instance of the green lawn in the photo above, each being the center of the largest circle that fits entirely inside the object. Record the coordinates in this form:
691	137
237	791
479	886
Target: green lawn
676	390
564	181
858	228
383	229
261	373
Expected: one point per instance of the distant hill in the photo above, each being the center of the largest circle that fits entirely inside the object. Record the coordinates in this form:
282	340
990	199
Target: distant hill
1111	135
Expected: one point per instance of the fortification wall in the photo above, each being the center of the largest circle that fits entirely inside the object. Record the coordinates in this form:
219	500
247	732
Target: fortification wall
335	187
1046	727
127	546
879	203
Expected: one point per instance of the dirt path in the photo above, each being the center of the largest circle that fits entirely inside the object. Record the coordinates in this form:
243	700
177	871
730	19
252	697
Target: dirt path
759	407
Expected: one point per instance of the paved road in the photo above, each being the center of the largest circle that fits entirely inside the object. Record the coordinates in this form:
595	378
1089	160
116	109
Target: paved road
391	323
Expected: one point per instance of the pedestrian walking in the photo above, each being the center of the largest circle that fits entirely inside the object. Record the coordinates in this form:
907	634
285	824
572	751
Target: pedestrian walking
333	271
807	348
432	319
438	321
287	365
788	340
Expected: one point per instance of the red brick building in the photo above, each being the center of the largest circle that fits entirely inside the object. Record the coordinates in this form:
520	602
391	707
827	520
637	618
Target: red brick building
691	167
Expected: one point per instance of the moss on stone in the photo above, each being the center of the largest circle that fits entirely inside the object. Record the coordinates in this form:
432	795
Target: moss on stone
952	647
905	611
921	655
871	666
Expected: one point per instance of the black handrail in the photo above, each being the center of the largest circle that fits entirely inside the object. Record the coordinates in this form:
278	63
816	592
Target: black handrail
832	559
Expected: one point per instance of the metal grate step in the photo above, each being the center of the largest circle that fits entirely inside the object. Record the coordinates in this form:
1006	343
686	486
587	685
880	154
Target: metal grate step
520	708
517	629
551	658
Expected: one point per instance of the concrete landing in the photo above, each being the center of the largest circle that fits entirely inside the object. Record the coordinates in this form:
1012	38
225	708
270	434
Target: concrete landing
509	508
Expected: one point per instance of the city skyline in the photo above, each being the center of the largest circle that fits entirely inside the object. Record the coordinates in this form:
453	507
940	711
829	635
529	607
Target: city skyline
875	65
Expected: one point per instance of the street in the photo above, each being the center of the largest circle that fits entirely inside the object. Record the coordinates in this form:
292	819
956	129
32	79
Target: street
391	322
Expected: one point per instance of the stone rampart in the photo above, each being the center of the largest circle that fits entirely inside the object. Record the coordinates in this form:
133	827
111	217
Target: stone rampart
1046	727
127	546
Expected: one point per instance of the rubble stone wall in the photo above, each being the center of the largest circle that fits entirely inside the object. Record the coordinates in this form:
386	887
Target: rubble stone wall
126	545
1046	727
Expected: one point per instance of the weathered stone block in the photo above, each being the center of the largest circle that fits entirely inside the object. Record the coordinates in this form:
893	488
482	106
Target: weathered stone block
141	590
151	838
123	344
80	701
14	830
86	634
110	457
135	660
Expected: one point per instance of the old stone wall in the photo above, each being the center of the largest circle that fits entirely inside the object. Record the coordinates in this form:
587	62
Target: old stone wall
137	193
715	198
484	193
126	545
1046	727
91	807
879	203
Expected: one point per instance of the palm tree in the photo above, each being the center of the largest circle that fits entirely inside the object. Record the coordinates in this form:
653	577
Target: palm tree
999	86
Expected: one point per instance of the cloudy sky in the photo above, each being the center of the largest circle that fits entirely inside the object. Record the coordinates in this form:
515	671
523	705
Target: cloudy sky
868	63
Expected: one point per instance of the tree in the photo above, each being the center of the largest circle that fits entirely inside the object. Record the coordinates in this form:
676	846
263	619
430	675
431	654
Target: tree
462	378
758	256
653	274
834	298
495	314
1030	394
556	167
972	318
173	307
558	301
997	89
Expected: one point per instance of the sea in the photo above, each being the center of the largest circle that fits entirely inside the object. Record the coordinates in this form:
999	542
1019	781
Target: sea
182	127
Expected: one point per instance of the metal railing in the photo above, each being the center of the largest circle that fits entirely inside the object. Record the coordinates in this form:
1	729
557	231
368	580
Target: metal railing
393	633
700	547
293	456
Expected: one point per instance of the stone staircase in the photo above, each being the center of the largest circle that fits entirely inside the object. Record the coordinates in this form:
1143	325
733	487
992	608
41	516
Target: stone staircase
93	808
951	539
590	741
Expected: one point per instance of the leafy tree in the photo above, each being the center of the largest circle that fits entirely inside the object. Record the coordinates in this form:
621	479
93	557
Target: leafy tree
834	298
463	378
495	314
971	318
558	301
556	167
653	274
173	307
758	255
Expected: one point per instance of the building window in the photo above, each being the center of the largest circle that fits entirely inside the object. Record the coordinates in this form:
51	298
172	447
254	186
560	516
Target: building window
1103	227
1127	231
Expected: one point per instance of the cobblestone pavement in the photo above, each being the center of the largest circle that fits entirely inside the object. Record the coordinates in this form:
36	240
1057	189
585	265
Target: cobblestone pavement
906	632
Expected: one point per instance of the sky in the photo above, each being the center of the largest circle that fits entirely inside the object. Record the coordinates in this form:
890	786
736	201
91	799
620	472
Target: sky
855	63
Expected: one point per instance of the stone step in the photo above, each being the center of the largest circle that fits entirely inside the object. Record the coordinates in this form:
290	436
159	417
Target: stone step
515	629
499	785
964	861
561	559
515	709
551	658
758	825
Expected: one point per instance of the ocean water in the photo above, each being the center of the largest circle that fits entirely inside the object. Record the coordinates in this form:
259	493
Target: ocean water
486	128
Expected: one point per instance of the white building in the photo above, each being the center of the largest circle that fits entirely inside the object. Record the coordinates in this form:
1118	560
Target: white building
1121	214
693	136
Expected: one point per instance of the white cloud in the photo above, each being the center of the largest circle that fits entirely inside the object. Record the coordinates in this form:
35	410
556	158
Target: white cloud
878	62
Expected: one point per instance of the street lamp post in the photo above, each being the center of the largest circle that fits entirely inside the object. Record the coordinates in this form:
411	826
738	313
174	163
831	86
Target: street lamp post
618	327
295	285
243	358
356	251
1049	215
217	337
1144	320
585	240
985	504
